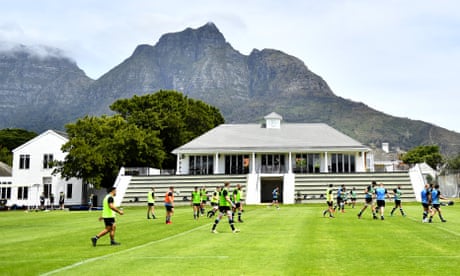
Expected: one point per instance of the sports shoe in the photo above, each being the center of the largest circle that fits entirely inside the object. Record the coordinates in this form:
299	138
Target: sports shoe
240	220
236	230
214	231
169	222
359	216
114	243
324	213
382	218
94	241
443	220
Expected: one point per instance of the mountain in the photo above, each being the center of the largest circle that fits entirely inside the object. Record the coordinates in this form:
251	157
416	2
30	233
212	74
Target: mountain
203	65
39	88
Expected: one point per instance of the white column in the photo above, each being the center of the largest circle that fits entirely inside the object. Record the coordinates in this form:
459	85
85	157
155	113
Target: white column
290	163
326	168
216	163
253	163
363	158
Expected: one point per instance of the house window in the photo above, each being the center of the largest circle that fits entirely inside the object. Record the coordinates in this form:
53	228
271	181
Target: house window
23	192
48	161
5	192
24	161
307	163
69	190
201	164
237	164
272	163
342	163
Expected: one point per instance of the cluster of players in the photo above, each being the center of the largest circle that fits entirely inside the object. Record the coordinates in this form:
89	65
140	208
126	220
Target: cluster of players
431	203
222	200
430	197
372	193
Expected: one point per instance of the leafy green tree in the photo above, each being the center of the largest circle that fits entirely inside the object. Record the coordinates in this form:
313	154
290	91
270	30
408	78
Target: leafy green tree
99	146
143	133
11	138
177	118
429	154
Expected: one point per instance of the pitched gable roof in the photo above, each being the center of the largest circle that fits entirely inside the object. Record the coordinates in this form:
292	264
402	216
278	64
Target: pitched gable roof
59	134
254	137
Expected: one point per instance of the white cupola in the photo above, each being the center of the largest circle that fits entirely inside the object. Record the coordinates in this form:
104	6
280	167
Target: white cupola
273	120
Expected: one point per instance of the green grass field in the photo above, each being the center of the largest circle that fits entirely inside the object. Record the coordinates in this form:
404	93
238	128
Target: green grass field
295	240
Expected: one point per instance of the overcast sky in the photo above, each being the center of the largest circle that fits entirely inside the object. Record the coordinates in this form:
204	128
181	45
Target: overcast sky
399	57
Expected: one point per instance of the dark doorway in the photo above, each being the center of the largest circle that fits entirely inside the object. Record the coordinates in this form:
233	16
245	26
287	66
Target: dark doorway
268	185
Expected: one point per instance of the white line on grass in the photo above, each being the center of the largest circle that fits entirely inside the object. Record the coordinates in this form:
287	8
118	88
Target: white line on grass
439	227
120	252
184	257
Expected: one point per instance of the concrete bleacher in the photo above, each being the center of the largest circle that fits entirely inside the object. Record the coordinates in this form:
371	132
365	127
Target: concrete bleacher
309	188
139	186
312	187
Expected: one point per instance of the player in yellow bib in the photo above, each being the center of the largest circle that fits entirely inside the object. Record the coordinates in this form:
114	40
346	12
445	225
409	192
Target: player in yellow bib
151	204
329	201
108	215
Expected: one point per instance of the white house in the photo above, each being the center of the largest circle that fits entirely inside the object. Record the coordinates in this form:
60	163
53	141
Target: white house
32	173
272	152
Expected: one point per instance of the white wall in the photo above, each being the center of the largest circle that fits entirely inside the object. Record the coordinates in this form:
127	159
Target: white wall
48	142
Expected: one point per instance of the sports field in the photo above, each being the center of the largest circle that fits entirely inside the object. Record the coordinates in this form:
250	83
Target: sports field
295	240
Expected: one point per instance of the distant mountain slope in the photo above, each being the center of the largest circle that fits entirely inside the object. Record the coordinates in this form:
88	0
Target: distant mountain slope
202	65
39	89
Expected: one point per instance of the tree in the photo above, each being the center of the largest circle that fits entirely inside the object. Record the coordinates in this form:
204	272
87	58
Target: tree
428	154
99	146
11	138
177	118
143	133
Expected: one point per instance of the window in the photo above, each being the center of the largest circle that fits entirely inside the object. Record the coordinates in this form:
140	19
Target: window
5	192
237	164
273	163
342	163
23	192
201	164
48	161
69	190
307	163
24	161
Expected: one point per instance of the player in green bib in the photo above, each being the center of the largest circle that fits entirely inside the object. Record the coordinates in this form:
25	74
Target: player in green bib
196	202
237	200
225	205
329	201
108	215
204	199
214	202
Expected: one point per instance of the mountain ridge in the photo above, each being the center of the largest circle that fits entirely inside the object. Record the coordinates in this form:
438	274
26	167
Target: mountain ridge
201	64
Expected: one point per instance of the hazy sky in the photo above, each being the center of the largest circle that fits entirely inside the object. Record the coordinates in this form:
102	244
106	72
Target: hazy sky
399	57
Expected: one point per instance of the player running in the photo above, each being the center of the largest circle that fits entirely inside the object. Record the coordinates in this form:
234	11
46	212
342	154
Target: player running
225	205
397	198
435	197
368	200
196	203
